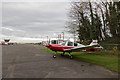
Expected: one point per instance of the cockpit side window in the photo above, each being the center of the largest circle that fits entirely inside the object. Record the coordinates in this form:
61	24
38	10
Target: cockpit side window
63	44
70	43
75	44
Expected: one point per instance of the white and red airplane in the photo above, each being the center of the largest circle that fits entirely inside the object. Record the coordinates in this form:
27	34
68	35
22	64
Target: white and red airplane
7	43
69	47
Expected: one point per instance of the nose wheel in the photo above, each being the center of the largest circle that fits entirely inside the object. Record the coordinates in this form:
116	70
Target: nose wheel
54	56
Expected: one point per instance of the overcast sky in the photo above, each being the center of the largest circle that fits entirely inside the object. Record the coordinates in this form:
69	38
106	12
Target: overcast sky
32	20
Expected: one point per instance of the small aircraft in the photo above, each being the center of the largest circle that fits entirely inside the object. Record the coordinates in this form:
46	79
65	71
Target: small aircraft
69	47
7	43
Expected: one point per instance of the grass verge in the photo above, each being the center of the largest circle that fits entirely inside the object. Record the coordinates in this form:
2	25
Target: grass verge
108	61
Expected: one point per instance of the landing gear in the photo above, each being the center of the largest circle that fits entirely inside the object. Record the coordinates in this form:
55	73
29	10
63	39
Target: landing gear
54	56
62	54
71	57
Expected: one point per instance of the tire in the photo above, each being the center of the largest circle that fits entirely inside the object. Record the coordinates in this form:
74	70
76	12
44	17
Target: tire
54	56
62	54
71	57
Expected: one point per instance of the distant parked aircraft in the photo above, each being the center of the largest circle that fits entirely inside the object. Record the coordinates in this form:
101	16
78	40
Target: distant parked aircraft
7	43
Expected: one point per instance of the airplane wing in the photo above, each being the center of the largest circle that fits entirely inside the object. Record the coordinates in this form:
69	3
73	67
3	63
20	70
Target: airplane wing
80	48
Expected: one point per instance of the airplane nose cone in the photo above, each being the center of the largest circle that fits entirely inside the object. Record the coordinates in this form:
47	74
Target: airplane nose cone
47	46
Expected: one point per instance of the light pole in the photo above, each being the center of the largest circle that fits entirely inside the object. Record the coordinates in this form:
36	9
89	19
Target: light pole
47	39
59	38
63	36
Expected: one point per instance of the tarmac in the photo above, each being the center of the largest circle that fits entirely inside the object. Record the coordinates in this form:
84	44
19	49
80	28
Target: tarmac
29	61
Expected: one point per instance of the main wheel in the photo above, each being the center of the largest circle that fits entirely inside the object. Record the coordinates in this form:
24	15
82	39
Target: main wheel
71	57
54	56
62	54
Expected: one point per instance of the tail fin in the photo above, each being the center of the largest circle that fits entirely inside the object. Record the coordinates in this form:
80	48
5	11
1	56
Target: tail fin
94	42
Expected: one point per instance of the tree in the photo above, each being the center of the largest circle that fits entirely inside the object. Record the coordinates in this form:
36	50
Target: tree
95	22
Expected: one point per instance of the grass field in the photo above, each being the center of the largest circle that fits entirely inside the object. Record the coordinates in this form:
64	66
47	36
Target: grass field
108	61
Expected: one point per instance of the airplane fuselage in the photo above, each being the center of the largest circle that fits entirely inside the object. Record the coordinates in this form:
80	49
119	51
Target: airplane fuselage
58	47
72	47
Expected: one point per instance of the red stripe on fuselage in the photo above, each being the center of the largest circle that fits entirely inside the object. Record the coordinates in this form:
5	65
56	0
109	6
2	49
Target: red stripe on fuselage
59	47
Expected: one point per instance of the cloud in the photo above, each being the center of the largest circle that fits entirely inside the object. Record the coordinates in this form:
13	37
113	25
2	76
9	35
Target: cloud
36	0
31	19
7	28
